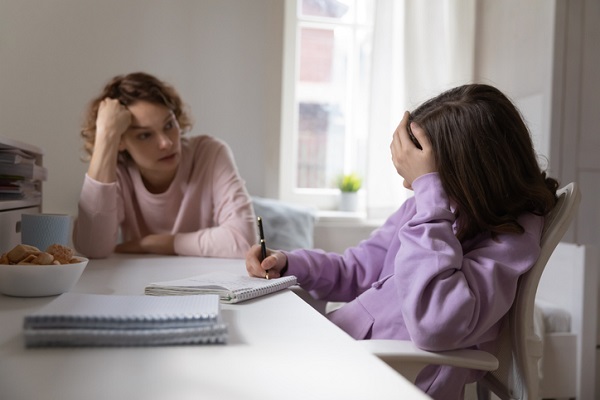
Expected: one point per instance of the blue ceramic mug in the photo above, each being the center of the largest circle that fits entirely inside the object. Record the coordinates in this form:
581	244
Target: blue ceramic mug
43	230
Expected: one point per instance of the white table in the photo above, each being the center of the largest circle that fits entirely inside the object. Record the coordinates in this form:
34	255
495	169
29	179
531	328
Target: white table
279	348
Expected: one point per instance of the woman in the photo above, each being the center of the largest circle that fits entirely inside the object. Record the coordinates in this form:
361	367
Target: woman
443	269
167	193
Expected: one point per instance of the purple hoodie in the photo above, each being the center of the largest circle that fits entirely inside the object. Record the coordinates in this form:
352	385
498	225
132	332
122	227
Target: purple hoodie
413	280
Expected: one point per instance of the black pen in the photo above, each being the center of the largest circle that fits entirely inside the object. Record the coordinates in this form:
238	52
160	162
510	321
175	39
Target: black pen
263	244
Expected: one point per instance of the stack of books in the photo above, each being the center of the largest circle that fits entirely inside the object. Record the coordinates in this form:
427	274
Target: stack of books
20	176
78	319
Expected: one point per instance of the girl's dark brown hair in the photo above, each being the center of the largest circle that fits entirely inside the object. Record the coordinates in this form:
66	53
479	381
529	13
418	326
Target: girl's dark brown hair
486	159
128	89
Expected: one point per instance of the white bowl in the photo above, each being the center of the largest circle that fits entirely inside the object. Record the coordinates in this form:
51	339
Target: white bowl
39	280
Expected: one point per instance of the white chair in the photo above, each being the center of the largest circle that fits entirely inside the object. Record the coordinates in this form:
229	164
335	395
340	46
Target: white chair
514	375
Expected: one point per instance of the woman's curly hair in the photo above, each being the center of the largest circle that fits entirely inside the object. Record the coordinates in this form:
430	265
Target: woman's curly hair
128	89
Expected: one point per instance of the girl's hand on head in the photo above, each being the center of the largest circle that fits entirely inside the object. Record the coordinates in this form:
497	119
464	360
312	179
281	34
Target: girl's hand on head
112	121
410	161
274	263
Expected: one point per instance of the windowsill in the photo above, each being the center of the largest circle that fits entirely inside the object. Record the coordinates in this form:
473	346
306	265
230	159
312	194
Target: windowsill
357	218
335	231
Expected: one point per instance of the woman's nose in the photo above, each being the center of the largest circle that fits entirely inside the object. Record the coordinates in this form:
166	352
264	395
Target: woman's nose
164	141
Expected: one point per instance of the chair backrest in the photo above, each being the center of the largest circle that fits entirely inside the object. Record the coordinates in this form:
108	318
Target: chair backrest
520	348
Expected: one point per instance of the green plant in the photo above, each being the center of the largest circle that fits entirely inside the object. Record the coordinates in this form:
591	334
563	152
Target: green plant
350	183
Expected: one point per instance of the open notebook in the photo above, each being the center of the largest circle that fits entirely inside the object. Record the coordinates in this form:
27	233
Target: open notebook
78	319
231	288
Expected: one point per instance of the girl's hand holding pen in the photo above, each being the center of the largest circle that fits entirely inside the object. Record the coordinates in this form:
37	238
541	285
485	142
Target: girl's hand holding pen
410	161
275	262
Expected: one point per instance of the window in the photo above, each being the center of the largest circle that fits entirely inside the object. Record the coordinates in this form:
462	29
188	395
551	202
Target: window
326	96
351	68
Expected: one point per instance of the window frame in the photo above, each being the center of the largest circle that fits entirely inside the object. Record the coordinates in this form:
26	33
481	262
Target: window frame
322	198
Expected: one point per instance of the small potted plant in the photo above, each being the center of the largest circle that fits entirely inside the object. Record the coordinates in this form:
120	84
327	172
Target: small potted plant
349	186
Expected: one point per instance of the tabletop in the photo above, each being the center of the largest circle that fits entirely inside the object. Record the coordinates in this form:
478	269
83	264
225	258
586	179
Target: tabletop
279	348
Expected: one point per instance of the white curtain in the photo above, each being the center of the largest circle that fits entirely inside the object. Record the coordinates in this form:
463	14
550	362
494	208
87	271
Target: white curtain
420	48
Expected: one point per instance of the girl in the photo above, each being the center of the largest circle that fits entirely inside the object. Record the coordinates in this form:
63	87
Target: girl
443	269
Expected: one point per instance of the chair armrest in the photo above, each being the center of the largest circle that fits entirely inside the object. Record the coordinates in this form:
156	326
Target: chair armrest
404	352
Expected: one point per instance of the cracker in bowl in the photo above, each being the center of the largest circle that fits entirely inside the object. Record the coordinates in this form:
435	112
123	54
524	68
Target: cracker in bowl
23	254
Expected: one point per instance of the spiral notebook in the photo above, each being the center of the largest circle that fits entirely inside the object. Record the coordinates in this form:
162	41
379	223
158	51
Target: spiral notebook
231	288
79	319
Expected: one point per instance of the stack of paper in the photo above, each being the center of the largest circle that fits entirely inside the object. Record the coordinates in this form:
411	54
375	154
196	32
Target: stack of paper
20	176
76	319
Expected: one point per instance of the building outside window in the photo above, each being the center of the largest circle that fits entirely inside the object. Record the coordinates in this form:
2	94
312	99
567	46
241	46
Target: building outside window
326	96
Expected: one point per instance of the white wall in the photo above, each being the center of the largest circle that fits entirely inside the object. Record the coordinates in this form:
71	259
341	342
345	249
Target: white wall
576	131
224	56
514	52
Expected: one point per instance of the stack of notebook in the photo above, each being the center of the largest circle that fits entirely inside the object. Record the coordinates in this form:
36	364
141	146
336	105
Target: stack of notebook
77	319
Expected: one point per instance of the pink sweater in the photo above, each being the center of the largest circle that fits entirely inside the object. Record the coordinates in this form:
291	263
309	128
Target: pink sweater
207	206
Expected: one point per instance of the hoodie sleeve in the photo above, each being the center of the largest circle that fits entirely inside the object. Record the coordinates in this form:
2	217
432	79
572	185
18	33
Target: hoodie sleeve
342	277
451	293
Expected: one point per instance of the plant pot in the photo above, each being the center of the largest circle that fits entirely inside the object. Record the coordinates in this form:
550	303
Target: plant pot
348	201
